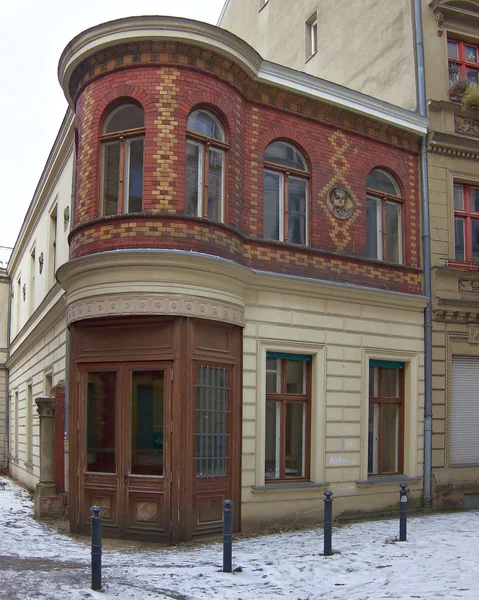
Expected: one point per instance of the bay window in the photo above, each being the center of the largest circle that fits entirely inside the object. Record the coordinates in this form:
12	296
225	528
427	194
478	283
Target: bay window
383	217
286	194
205	166
122	149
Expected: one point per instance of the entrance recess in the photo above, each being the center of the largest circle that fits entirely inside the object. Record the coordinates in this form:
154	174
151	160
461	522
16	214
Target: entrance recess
126	460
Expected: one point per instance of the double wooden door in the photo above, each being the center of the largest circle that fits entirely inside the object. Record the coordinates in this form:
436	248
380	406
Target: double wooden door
125	464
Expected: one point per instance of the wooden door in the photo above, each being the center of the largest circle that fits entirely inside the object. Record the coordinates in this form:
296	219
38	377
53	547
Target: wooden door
124	448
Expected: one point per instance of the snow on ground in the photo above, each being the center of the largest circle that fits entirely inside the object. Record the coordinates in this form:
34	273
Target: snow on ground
439	560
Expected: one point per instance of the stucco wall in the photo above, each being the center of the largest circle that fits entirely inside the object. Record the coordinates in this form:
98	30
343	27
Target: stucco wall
367	46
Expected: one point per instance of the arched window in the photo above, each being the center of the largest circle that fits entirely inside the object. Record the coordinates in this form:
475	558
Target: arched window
384	217
205	166
286	182
122	142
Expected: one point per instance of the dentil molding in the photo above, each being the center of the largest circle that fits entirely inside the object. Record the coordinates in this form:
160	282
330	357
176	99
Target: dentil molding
114	305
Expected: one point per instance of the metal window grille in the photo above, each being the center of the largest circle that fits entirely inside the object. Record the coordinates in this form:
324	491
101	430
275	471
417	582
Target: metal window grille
211	422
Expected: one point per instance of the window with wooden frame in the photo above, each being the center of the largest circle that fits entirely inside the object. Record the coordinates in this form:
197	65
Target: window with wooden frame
311	35
205	166
386	417
286	194
466	222
463	60
288	417
383	217
122	143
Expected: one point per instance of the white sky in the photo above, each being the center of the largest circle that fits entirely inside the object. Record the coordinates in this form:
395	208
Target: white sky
33	34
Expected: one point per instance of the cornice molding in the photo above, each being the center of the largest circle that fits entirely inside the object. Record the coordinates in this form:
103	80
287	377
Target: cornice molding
223	42
114	305
453	145
236	279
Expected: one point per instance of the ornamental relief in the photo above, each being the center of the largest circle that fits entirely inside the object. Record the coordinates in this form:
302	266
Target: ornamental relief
473	335
469	285
466	126
340	203
158	304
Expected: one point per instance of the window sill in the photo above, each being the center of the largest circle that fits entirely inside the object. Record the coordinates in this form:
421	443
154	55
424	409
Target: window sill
310	57
289	487
387	479
261	7
29	464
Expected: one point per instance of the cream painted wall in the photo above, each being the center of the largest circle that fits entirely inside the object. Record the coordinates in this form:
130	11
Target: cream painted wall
39	237
4	300
367	46
31	364
341	335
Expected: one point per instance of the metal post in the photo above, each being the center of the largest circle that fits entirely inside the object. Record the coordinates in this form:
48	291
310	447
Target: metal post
403	513
95	548
328	523
227	535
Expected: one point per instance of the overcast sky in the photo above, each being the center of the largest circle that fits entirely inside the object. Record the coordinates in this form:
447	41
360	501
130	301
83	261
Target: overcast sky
33	34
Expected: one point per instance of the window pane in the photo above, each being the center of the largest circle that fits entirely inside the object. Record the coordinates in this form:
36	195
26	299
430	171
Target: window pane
373	439
471	53
382	182
373	229
297	203
272	449
458	197
373	382
111	177
475	199
134	175
454	73
211	422
452	50
193	177
459	239
389	438
205	123
215	184
475	240
147	422
123	118
273	196
393	232
281	153
472	76
273	375
295	370
390	383
101	415
294	443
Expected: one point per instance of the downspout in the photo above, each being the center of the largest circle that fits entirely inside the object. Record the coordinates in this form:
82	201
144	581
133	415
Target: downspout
7	398
426	249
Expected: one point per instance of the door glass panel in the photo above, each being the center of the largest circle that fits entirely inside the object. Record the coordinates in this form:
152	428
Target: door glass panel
390	383
147	422
295	379
389	437
273	375
373	438
211	422
101	415
294	442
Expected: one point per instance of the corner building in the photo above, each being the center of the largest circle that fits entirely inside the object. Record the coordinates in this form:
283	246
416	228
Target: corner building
243	292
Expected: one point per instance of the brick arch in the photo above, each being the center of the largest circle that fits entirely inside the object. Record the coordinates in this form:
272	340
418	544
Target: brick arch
207	100
284	134
392	166
123	92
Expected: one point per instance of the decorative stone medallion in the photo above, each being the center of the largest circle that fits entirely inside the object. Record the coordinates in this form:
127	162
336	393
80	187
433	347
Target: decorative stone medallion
469	285
340	202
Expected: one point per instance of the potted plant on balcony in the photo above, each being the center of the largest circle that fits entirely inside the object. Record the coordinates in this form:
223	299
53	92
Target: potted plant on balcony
470	98
458	89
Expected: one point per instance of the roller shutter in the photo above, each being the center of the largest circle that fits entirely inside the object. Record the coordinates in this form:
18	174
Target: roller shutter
464	424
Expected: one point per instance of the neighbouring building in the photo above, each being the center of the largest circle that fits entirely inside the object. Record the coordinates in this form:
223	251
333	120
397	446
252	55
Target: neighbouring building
370	46
237	310
4	314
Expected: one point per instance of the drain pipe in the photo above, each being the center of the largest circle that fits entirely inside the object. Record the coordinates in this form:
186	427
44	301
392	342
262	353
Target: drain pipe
426	249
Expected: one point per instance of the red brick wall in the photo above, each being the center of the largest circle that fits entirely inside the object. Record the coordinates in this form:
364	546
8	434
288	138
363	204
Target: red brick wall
340	149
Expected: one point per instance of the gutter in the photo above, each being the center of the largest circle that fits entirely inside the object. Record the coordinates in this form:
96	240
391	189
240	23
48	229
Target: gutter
426	248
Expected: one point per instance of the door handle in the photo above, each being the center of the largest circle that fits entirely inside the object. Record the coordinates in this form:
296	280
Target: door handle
125	478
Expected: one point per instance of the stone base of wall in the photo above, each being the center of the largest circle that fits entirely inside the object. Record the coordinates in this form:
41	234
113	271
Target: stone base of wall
51	507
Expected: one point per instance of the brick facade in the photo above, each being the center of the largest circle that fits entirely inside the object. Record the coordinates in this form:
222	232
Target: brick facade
341	148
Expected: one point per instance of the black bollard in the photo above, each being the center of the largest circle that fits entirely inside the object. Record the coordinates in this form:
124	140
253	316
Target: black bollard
328	523
227	535
403	513
95	548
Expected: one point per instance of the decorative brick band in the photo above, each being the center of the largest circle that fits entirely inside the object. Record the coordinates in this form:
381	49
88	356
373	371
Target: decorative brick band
154	304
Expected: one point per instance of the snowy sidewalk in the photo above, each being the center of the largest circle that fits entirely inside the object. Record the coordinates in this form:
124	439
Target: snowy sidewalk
438	561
